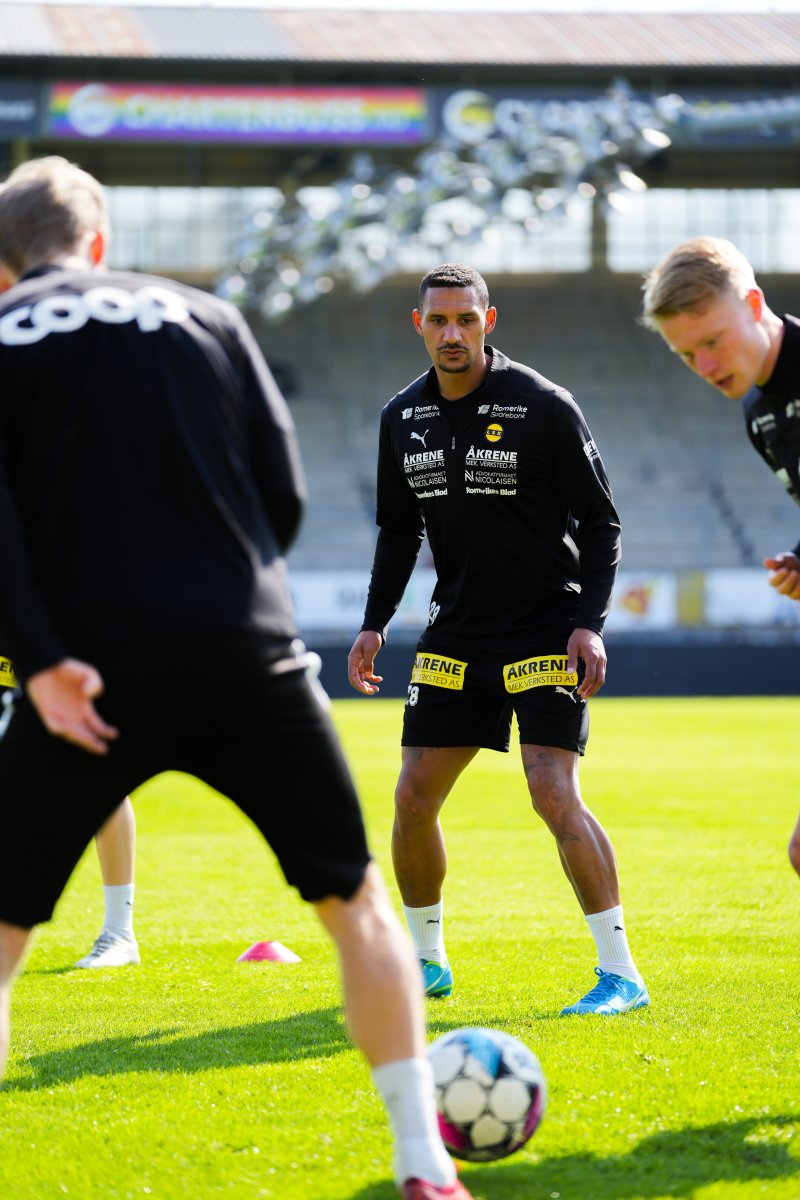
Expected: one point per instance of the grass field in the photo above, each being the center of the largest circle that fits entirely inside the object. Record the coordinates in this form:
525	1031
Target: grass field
196	1076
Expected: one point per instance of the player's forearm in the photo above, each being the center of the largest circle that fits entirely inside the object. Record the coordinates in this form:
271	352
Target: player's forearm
395	557
600	556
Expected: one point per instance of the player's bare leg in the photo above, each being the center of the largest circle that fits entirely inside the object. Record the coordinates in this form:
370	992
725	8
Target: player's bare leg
583	845
13	941
426	779
590	864
380	980
116	944
383	1006
794	847
420	857
116	846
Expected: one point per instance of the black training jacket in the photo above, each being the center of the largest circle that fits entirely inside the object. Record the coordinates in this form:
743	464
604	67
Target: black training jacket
515	501
150	481
772	414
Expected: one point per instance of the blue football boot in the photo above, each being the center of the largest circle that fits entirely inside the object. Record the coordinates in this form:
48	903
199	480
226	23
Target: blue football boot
437	980
610	996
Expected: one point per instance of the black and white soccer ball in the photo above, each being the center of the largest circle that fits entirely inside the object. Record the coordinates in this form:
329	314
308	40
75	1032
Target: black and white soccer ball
490	1093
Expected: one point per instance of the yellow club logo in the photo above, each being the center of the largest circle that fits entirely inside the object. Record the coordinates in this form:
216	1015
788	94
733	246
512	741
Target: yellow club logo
494	432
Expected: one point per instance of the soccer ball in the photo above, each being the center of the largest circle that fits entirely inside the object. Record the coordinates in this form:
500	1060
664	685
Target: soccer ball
490	1093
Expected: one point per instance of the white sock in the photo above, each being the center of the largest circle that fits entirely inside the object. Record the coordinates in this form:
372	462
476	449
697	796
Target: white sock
613	955
426	928
119	908
409	1094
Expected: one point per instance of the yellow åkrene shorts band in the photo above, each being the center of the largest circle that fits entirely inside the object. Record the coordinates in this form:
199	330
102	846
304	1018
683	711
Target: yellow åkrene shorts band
548	670
7	676
439	671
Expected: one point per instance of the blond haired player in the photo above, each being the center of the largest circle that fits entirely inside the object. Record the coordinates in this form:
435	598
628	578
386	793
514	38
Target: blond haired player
704	301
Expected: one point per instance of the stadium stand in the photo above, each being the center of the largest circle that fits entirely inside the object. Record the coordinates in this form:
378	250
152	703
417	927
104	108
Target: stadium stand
690	490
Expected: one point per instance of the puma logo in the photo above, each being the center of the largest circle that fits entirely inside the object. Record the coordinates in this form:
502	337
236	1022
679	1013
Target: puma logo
565	692
420	436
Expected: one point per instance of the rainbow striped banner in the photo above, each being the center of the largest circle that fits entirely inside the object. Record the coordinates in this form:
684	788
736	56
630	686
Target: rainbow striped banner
175	112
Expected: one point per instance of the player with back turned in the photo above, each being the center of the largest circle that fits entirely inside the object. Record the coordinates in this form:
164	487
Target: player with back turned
150	486
497	466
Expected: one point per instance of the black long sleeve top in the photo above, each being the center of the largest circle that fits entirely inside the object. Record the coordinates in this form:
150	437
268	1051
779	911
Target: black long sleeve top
511	491
772	414
150	480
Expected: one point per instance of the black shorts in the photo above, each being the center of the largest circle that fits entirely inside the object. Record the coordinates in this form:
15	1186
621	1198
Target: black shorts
231	709
460	697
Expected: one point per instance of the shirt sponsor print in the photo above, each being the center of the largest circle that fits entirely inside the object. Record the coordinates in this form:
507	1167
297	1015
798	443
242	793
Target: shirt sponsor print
7	676
422	412
490	472
439	671
148	306
763	424
425	469
547	670
509	412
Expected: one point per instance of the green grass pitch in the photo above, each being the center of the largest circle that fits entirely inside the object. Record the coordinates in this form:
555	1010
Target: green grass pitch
196	1076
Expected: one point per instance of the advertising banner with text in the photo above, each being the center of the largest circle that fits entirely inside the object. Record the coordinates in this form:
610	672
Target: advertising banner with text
736	597
334	600
179	112
20	108
643	601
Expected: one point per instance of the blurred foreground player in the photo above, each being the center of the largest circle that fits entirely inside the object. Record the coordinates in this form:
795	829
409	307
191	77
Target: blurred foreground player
150	485
115	945
704	301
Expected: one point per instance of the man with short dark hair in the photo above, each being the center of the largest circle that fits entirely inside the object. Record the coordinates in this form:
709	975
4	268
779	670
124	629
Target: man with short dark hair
150	486
497	466
704	301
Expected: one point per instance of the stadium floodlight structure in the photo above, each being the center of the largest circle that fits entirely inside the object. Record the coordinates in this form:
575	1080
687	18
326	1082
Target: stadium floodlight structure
518	165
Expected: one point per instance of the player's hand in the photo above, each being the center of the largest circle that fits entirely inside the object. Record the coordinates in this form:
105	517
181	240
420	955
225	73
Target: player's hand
361	663
62	696
588	645
784	574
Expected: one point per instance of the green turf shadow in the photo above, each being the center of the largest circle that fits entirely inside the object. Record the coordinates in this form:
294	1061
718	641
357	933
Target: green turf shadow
318	1034
669	1164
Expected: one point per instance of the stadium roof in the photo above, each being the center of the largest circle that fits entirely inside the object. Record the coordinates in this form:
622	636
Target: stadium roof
369	37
